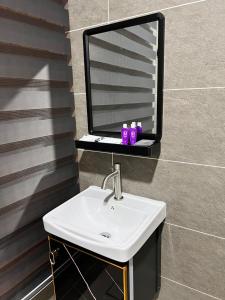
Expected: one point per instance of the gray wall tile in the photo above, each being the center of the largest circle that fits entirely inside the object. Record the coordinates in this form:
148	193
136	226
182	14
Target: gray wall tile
81	115
195	195
127	8
195	55
194	259
172	291
77	60
93	167
87	12
194	126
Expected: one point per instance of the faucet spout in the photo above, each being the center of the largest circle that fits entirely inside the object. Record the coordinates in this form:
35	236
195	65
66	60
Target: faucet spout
116	175
106	179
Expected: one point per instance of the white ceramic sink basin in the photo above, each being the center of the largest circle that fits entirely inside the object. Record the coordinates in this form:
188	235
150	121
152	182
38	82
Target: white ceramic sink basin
114	229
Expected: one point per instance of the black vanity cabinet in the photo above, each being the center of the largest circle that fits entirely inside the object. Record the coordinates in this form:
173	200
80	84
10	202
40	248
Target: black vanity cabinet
90	277
79	274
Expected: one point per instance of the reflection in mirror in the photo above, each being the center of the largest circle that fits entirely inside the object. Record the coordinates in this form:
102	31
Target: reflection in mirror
123	75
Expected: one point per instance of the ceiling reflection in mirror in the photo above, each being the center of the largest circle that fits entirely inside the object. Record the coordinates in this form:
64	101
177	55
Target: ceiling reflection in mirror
123	77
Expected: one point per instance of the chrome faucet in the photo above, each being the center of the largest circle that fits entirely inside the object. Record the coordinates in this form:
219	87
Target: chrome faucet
117	185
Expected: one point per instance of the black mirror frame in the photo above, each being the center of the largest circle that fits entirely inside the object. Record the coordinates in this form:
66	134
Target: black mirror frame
119	25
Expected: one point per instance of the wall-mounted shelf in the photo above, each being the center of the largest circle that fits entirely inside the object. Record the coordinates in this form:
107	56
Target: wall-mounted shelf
152	151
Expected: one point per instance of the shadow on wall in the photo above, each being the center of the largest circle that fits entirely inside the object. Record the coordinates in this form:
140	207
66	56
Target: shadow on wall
42	172
144	173
100	164
95	163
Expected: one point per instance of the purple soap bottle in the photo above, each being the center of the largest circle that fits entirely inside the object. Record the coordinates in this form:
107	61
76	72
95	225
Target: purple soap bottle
133	134
125	134
134	123
139	128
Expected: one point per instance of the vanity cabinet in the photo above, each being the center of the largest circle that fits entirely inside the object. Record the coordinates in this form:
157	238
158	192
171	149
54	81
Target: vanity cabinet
80	274
91	277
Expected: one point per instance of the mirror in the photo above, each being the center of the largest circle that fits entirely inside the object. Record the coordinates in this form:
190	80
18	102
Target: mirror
124	76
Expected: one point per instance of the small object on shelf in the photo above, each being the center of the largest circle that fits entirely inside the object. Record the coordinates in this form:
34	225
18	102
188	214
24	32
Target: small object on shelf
139	128
133	134
145	143
110	140
99	139
134	123
90	138
125	134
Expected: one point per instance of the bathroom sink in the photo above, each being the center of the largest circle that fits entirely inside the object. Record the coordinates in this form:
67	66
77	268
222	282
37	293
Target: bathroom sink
96	221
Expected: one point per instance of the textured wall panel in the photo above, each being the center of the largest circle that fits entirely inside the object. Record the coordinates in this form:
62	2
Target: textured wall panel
37	154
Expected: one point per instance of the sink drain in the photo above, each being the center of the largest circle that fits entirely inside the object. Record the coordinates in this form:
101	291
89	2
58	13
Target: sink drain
106	235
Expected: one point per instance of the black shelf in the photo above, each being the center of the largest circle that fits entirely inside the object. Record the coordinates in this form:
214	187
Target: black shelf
152	151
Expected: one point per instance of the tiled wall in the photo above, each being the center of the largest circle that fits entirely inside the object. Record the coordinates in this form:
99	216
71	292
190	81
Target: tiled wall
190	172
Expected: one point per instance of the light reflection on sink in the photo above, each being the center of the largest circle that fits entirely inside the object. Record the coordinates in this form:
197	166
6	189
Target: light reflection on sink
114	229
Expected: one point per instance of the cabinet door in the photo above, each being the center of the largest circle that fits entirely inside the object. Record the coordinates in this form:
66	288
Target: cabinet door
87	277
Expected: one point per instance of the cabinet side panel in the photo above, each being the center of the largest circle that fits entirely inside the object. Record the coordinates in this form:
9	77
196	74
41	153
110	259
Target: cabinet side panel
146	270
